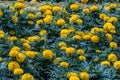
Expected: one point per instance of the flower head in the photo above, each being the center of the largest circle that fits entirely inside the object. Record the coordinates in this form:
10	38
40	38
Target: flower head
95	39
112	57
113	45
48	54
74	7
84	76
70	50
18	71
117	65
27	76
74	78
64	64
13	65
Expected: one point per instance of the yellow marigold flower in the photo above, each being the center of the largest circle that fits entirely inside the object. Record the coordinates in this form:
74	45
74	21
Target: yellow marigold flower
45	7
19	5
60	22
57	60
96	29
62	44
108	8
113	19
2	34
80	33
84	76
82	58
13	65
75	15
14	19
13	38
15	48
30	22
106	18
86	37
64	32
84	1
63	48
27	76
31	54
39	22
69	74
74	7
113	5
112	57
0	59
74	78
109	37
80	51
1	13
33	38
77	37
21	1
48	12
71	29
95	39
117	65
31	15
108	27
113	45
20	57
56	8
94	8
27	46
64	64
106	63
79	21
74	19
100	30
102	16
12	32
70	50
112	31
43	32
48	54
48	19
89	33
98	51
13	53
23	40
86	10
18	71
93	30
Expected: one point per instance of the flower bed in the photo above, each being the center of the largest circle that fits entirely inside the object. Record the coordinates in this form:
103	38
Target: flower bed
68	41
